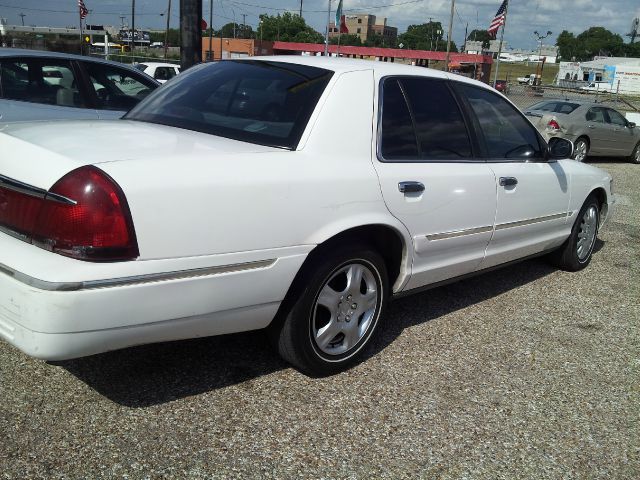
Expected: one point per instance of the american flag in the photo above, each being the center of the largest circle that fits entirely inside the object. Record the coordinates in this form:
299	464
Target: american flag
83	9
498	20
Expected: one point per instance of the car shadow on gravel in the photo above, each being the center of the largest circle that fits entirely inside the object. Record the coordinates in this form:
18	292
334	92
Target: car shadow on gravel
155	374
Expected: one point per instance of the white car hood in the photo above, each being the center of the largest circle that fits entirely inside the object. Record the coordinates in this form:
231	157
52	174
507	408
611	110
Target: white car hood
40	153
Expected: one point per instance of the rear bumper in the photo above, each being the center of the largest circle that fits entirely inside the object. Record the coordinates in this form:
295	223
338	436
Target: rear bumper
56	324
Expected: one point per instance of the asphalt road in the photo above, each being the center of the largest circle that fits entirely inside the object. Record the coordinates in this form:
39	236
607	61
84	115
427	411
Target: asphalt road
525	372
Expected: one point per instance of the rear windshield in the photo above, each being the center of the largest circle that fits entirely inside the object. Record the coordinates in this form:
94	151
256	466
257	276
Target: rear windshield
268	103
554	106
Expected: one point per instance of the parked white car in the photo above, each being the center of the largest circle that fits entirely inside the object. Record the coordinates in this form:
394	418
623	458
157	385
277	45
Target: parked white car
370	180
160	71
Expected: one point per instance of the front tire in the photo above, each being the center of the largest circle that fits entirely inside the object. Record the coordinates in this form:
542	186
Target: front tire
635	156
575	253
335	310
581	150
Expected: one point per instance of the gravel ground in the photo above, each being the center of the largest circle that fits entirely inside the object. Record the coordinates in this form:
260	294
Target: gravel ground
526	372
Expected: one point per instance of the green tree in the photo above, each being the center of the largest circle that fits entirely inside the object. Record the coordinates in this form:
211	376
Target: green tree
347	39
380	41
287	27
632	50
567	46
590	43
599	41
480	36
237	30
426	36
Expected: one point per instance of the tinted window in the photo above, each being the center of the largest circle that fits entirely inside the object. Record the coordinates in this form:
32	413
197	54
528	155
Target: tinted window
398	138
164	73
506	132
52	82
595	114
554	106
116	88
440	128
616	118
268	103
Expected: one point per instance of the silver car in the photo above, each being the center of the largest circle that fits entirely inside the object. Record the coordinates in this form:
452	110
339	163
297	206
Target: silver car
594	128
36	85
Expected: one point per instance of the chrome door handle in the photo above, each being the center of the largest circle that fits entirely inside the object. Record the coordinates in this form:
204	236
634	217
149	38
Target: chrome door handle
410	187
591	126
507	181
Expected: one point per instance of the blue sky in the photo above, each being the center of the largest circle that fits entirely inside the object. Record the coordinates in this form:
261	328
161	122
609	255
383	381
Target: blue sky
525	16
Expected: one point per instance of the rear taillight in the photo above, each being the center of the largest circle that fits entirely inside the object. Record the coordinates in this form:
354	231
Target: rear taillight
553	125
84	215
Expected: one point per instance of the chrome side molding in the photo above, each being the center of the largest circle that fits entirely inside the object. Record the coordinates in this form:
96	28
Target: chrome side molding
133	280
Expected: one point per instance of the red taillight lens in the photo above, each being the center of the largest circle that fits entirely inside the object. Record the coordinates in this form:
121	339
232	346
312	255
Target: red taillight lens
553	125
84	216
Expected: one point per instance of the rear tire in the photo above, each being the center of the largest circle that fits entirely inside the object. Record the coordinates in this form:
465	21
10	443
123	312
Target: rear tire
575	253
334	310
581	149
635	155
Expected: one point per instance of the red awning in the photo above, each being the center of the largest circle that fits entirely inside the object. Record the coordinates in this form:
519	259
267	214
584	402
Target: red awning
458	58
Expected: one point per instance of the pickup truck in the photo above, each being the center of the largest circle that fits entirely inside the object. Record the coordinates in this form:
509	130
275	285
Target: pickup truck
598	87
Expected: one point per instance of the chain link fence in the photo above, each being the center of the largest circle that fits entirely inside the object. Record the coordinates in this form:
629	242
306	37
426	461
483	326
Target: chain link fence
525	95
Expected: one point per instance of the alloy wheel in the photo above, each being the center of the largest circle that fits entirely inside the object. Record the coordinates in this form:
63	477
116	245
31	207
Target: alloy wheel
587	233
345	309
581	151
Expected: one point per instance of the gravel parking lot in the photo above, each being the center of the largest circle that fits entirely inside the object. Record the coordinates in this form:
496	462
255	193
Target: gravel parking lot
525	372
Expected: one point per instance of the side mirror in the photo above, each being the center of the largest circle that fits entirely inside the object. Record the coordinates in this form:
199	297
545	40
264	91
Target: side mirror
631	125
560	148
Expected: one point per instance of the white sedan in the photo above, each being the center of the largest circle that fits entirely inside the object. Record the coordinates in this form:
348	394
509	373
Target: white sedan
303	207
160	71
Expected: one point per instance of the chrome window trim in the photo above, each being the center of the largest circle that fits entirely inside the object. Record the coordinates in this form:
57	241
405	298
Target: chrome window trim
25	188
135	279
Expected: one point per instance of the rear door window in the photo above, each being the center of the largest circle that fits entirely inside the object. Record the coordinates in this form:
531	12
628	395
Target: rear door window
421	120
440	127
595	114
51	82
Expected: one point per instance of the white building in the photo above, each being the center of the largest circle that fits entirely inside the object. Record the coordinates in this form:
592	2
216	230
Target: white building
622	73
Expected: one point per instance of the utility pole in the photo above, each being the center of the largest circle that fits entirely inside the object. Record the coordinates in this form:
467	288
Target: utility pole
190	33
166	31
326	36
244	24
22	15
211	31
122	17
133	30
453	5
301	15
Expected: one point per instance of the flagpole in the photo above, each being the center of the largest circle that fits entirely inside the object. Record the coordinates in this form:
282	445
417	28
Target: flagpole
80	18
504	25
326	37
446	59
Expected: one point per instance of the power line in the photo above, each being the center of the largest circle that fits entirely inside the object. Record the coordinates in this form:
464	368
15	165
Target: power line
373	7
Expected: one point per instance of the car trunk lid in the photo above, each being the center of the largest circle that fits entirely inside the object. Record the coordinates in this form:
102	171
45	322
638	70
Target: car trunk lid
40	153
